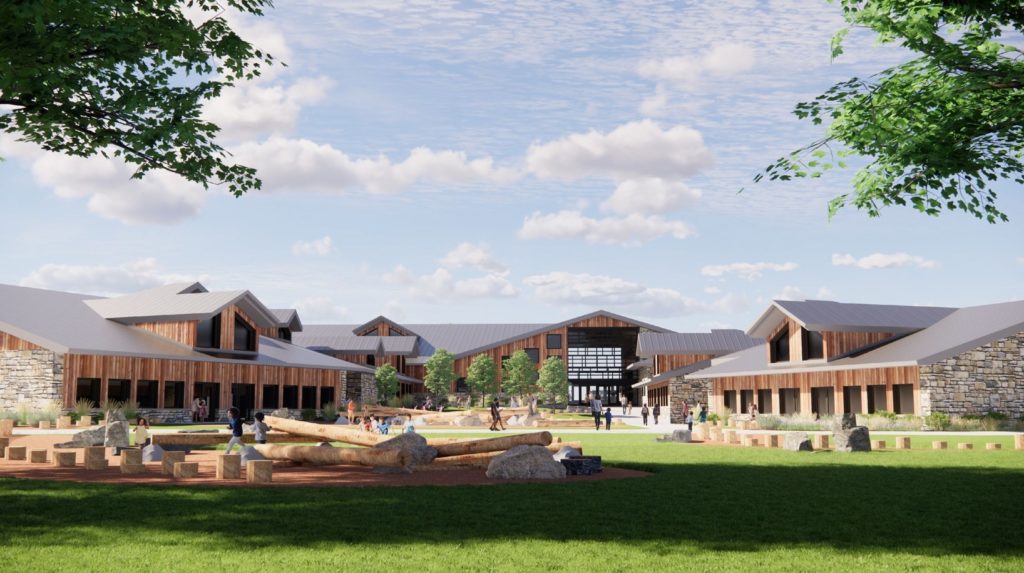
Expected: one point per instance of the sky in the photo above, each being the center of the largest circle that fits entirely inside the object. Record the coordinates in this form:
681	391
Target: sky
513	161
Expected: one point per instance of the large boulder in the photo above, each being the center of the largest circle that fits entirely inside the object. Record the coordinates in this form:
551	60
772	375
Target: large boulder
525	462
684	436
116	434
152	453
85	438
514	421
845	422
468	421
797	442
567	452
115	416
342	421
856	439
420	453
282	413
249	453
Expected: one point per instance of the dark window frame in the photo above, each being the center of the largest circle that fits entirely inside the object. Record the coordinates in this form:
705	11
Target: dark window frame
557	345
534	354
154	387
809	338
779	346
245	333
212	326
176	390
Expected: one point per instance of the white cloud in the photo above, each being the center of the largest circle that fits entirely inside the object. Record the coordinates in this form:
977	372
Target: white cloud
796	293
320	309
103	280
746	271
257	108
650	196
631	230
474	256
883	261
317	247
302	165
723	60
441	285
731	303
712	290
635	150
655	104
583	289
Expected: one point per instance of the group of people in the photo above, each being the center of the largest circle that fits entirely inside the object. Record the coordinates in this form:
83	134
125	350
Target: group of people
200	410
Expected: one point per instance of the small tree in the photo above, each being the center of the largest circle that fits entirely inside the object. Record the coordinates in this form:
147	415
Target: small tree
553	381
520	378
481	377
440	373
387	382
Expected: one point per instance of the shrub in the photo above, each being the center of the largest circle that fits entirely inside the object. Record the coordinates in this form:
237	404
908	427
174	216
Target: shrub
713	417
8	415
393	402
24	412
110	405
83	407
329	411
308	414
938	421
130	408
769	422
725	415
408	401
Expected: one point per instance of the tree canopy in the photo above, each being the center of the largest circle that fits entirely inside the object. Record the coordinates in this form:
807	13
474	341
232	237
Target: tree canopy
387	382
553	381
127	78
481	376
520	377
936	131
440	373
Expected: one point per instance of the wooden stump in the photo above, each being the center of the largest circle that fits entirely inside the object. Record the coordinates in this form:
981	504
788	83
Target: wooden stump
44	424
131	456
965	446
993	446
63	459
37	456
877	444
169	459
132	469
185	469
16	453
903	443
1018	442
95	458
775	441
820	442
229	466
755	441
64	423
4	442
85	421
940	445
259	471
6	428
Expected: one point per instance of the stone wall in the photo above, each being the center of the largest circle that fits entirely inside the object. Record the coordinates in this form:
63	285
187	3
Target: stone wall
34	377
989	378
165	415
361	387
682	390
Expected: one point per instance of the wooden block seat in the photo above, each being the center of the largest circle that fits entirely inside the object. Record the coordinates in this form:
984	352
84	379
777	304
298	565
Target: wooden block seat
17	453
259	471
186	470
965	446
877	444
95	458
229	466
64	458
993	446
903	443
820	442
170	458
37	456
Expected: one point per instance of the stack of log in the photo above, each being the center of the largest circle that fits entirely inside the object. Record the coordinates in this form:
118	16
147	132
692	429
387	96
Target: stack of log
440	418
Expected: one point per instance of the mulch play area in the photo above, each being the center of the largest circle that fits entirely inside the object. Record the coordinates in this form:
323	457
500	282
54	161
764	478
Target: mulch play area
321	476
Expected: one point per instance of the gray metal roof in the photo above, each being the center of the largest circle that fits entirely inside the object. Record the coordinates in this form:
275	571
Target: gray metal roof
717	341
182	301
404	345
959	331
682	371
287	318
829	315
336	337
67	324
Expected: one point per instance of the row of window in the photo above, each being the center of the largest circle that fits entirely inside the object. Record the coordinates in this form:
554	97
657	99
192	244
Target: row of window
813	346
147	392
208	334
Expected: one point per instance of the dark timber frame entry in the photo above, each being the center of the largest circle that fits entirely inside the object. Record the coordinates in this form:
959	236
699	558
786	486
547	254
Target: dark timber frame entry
597	361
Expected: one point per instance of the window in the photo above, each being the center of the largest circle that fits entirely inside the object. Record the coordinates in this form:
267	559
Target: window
174	394
374	332
394	332
88	389
534	354
554	341
779	346
371	360
461	386
270	398
595	363
291	397
146	393
284	334
245	336
120	390
208	333
813	345
326	395
308	397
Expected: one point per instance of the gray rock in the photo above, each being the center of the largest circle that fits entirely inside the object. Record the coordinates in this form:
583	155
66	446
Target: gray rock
468	421
525	462
249	453
797	442
152	453
342	421
85	438
846	421
282	413
852	440
115	416
116	434
681	436
567	452
324	445
416	445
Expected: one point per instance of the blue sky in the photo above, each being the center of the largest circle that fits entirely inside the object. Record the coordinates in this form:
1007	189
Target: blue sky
513	161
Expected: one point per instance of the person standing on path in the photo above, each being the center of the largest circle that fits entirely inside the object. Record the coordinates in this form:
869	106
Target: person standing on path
495	416
595	409
607	419
196	402
753	411
629	407
703	414
260	428
689	421
141	433
351	411
644	412
235	425
657	412
622	399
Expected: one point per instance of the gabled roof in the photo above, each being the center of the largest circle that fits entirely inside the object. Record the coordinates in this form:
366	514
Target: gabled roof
827	315
402	345
717	341
959	331
682	371
182	301
377	322
287	318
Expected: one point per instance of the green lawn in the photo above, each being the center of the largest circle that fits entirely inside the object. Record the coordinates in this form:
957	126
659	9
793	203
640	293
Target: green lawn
705	508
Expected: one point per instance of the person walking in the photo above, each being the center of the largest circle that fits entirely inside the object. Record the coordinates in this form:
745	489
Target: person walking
595	409
260	428
607	419
409	427
235	425
142	433
689	421
494	415
622	400
703	414
196	402
656	412
204	412
753	411
644	412
351	411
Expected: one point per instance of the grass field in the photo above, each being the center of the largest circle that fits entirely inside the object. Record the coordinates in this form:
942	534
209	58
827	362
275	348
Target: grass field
705	508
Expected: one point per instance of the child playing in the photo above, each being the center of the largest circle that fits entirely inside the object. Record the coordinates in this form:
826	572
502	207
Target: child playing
235	425
142	433
409	428
608	419
689	420
384	426
260	428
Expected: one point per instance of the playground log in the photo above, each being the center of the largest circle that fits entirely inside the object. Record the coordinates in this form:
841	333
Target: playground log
320	456
330	432
212	439
498	444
